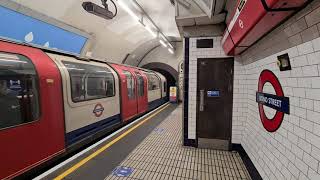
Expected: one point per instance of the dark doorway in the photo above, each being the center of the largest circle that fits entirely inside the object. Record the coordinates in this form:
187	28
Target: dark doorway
214	103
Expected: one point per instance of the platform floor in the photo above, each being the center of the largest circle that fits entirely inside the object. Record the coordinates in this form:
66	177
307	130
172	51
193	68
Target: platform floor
161	156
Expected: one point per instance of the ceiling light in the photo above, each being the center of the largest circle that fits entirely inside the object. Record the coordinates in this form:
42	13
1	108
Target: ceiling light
150	31
163	43
128	10
170	45
170	50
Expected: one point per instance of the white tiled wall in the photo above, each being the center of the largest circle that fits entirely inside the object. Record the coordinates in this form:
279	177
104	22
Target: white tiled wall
215	52
293	151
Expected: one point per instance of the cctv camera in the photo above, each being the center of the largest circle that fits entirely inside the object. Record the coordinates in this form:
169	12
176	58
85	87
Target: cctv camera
97	10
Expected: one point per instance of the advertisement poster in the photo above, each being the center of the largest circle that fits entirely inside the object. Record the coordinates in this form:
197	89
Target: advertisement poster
173	94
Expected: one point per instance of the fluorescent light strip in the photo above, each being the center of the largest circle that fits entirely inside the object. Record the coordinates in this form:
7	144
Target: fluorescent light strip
128	10
134	16
163	43
163	38
150	31
170	50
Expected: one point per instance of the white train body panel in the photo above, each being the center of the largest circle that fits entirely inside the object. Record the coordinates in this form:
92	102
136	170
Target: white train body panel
153	80
154	95
81	114
163	85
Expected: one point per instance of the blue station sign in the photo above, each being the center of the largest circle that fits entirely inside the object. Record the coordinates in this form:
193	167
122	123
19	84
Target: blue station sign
22	28
279	103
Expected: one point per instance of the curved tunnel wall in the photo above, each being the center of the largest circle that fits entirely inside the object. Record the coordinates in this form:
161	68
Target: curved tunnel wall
166	70
159	59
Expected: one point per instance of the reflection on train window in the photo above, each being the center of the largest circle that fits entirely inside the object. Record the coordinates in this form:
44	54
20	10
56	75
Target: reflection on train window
140	82
130	84
89	82
153	82
19	96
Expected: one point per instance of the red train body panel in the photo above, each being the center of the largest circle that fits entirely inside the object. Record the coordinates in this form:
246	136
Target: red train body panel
131	105
252	19
20	145
142	102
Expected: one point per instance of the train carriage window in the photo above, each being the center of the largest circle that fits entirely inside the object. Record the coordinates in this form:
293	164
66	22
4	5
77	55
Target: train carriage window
19	95
130	84
140	82
153	82
89	82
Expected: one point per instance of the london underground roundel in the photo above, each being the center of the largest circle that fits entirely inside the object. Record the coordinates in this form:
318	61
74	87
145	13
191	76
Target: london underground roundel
275	101
98	110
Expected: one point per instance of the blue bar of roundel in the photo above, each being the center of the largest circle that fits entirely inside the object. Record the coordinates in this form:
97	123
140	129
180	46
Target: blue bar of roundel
16	26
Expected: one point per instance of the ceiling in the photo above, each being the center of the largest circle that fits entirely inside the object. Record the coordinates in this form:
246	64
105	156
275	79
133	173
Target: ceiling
113	39
124	37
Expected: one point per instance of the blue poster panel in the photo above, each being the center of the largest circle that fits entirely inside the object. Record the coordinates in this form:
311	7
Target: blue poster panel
22	28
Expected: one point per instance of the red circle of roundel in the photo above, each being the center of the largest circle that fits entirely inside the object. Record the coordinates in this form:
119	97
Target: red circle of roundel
98	110
270	125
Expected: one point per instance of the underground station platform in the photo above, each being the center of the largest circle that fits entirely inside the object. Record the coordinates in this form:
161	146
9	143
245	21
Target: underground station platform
151	148
157	90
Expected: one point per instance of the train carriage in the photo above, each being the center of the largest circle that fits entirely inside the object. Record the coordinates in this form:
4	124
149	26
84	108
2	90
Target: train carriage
31	107
134	91
90	94
53	103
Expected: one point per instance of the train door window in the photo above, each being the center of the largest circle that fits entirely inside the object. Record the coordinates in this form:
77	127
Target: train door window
130	84
153	82
19	94
140	82
164	86
89	82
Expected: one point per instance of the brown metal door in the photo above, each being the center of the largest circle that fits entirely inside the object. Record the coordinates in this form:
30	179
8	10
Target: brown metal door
214	102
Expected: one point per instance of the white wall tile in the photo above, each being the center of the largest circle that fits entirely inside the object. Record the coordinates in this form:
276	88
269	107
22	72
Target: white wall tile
313	58
305	48
310	161
316	44
310	71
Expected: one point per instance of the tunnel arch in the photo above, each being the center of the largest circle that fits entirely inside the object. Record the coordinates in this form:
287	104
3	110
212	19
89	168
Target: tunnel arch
169	72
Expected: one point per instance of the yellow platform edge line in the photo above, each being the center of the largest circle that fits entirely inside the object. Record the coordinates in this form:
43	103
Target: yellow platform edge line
88	158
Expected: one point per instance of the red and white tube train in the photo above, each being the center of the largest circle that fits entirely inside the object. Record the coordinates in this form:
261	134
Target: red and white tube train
51	103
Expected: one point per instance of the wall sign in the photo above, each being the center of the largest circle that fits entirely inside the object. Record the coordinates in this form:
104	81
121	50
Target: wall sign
22	28
213	93
204	43
98	110
278	101
173	94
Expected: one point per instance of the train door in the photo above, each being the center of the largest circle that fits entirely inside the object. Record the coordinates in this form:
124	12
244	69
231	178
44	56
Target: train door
142	101
214	103
31	109
129	99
